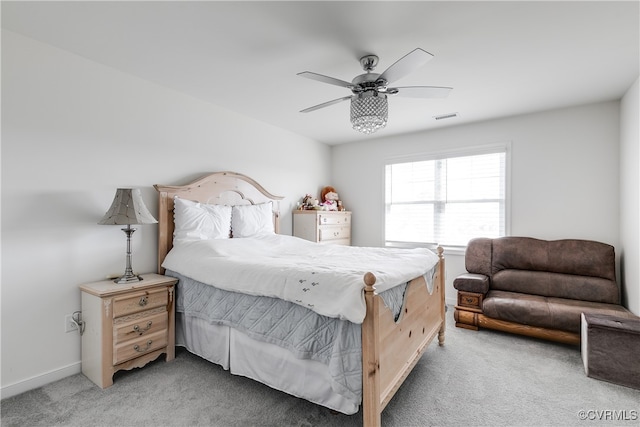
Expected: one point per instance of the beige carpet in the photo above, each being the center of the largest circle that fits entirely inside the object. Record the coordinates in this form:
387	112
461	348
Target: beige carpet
483	378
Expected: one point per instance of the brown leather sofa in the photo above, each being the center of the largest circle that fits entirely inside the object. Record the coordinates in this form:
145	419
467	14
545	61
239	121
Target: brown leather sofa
536	287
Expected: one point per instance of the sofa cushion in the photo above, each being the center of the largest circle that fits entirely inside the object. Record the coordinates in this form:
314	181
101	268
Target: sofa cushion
545	312
477	257
469	282
571	256
558	285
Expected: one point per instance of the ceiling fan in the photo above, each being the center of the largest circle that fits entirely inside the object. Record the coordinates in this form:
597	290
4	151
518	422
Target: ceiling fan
369	108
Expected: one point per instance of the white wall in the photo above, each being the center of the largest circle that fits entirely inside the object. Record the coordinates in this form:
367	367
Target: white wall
564	174
72	132
630	196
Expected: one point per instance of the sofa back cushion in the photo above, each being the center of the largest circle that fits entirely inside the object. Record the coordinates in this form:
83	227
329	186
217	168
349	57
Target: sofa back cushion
578	257
558	285
574	269
477	257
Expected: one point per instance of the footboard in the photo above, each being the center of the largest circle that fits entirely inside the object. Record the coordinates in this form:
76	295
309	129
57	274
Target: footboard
391	349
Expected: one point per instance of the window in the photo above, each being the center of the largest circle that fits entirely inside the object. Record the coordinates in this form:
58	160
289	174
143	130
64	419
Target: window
446	200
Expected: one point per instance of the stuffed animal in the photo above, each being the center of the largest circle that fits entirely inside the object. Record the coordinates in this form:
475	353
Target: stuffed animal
309	202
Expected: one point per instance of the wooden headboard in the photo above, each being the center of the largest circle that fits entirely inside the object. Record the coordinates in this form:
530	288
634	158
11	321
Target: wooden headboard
218	188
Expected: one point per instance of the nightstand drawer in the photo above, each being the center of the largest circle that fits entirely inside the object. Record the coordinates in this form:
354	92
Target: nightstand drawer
140	301
333	233
334	218
138	347
142	324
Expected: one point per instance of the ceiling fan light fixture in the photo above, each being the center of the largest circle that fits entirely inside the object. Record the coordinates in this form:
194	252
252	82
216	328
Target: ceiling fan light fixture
369	111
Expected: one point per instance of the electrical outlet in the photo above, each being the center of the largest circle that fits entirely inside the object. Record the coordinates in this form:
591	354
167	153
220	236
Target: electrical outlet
69	324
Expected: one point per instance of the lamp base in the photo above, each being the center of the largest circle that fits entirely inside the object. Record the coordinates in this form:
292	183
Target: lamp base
128	278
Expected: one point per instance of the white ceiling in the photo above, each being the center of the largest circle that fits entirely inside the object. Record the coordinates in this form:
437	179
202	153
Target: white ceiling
501	58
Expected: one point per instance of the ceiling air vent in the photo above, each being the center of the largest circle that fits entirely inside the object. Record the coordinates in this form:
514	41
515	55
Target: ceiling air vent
446	116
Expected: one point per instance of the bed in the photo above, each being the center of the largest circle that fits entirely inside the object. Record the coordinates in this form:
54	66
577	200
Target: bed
362	344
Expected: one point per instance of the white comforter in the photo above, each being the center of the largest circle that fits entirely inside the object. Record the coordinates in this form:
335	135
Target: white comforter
325	279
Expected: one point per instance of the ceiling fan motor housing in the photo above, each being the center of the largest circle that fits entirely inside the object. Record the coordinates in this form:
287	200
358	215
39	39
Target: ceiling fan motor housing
368	82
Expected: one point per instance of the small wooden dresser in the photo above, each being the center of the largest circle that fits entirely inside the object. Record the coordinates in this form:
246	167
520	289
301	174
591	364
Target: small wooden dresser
126	325
327	227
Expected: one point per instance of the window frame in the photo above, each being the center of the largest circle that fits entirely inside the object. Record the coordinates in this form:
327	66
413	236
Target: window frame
445	154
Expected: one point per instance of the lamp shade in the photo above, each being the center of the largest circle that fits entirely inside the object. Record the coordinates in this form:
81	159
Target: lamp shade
127	208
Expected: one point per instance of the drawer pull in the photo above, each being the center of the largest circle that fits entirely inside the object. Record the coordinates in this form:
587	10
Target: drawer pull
137	347
143	301
142	331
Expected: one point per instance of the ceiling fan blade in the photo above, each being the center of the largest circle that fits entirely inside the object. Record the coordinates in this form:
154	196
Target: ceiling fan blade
405	65
325	79
325	104
421	91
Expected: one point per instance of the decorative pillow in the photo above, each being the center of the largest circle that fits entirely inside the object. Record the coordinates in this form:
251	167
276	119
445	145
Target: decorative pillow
252	220
199	221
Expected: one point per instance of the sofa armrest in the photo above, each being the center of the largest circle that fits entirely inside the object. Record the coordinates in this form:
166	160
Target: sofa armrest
470	282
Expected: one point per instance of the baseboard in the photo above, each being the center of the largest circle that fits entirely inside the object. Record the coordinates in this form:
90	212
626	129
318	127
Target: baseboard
40	380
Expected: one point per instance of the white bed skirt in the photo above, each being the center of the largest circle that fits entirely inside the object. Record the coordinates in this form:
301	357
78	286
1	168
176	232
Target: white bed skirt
260	361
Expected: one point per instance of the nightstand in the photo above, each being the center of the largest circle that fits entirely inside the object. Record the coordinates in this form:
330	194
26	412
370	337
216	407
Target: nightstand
126	326
328	227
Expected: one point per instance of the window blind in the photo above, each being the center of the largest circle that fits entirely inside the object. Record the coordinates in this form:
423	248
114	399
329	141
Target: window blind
446	201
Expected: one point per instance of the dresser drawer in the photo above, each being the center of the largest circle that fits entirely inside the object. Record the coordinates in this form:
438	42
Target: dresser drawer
141	324
137	347
140	301
327	227
326	233
334	218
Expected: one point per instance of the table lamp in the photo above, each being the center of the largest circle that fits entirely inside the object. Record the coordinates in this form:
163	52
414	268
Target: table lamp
128	208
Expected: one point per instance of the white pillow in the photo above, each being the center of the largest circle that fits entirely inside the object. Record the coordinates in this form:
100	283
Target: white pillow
252	220
198	221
